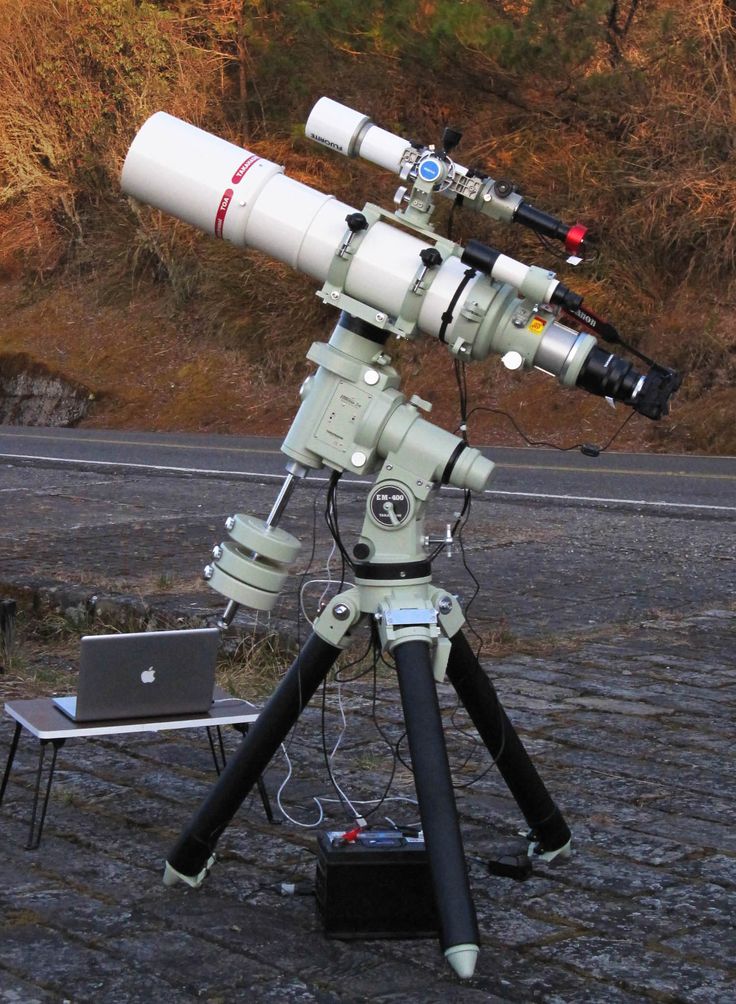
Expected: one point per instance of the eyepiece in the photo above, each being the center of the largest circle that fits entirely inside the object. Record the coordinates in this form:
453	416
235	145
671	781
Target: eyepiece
480	256
549	226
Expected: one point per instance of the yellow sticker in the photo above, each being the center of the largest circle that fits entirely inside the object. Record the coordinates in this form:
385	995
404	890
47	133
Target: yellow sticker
537	325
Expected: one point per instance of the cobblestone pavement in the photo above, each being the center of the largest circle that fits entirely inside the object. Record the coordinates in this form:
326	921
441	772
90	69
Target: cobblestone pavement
618	631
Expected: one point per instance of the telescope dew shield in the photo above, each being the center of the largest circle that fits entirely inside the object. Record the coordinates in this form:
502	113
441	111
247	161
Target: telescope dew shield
194	176
232	193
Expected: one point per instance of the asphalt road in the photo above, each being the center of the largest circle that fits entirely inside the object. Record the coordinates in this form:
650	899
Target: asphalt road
686	483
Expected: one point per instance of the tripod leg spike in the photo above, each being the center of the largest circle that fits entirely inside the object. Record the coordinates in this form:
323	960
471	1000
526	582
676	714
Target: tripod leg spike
462	958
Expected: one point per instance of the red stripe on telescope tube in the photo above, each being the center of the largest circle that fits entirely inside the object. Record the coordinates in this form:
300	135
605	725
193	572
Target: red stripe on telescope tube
222	209
244	168
227	197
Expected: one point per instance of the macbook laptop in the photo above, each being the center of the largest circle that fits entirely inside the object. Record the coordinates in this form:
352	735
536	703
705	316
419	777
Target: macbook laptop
152	674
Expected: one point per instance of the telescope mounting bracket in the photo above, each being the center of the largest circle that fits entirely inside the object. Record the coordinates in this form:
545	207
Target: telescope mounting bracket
404	325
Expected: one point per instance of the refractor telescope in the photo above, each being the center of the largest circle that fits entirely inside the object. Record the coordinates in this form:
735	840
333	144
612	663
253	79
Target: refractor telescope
390	269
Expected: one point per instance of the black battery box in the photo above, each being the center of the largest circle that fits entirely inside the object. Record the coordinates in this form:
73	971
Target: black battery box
376	886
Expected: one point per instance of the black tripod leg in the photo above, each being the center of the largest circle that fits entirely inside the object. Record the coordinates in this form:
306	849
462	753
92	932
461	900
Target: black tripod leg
478	695
458	925
191	854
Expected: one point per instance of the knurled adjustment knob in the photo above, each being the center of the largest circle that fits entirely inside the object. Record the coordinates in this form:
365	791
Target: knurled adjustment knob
356	222
450	138
430	257
503	188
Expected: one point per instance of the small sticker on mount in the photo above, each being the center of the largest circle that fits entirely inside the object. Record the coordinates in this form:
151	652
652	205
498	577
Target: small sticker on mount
537	325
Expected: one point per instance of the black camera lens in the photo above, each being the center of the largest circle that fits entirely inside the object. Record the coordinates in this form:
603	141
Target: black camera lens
608	375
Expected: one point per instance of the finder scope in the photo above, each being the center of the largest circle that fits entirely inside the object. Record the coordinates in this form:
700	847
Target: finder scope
355	135
476	300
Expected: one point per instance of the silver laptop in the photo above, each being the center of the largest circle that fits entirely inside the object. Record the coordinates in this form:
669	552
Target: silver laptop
153	674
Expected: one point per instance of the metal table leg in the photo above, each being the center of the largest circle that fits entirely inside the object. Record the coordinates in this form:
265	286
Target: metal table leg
218	751
220	759
11	758
34	834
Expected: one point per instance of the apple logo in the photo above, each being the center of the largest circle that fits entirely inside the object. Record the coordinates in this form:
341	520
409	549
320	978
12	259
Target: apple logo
148	675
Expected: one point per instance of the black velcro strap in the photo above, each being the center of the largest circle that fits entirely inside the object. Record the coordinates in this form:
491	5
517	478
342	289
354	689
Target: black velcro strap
447	316
449	467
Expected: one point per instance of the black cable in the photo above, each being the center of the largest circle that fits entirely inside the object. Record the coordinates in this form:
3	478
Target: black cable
358	676
389	784
331	519
448	316
459	519
543	442
469	570
292	732
461	378
462	521
457	201
374	716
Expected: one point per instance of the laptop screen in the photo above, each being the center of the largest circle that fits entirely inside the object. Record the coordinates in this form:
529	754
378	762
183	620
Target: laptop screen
153	673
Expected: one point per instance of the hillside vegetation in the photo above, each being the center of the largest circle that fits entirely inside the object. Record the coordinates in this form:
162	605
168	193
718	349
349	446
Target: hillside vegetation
620	114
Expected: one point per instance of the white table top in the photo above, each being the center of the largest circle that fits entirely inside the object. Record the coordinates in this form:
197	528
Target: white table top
42	718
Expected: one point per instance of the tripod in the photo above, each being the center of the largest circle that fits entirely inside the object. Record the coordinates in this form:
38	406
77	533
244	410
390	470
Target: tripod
353	417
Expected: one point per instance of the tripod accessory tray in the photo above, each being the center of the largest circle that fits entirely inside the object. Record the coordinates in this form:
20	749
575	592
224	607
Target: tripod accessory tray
377	887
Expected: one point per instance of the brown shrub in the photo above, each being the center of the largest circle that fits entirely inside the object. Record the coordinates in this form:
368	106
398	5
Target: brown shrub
77	79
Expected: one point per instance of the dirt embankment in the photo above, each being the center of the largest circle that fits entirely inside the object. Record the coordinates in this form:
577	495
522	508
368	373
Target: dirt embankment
66	359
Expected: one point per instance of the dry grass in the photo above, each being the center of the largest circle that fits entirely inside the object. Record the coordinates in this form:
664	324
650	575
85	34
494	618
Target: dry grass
175	331
77	78
254	668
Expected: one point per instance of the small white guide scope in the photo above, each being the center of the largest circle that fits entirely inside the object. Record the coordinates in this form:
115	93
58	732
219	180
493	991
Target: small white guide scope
354	134
384	273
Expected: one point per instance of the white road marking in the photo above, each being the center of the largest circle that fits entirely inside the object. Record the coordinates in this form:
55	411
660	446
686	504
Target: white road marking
658	504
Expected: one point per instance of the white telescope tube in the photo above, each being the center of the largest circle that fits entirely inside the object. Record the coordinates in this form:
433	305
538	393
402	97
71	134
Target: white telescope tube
234	194
229	192
353	134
